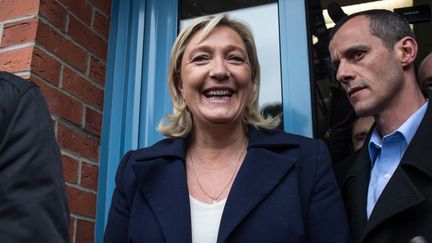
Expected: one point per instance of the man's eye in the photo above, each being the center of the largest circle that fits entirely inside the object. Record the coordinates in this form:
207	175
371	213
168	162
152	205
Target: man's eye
357	55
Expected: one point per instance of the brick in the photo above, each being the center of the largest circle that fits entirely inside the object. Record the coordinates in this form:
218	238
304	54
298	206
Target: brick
87	38
97	70
60	104
81	202
19	32
10	9
82	88
80	8
101	25
93	121
61	47
89	176
54	12
76	141
103	5
70	169
16	60
45	66
85	231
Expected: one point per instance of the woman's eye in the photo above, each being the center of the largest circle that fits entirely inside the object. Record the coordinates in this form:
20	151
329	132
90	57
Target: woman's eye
235	59
200	58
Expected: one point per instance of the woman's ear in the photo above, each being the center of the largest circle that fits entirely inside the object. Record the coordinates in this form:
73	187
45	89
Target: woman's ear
179	85
408	50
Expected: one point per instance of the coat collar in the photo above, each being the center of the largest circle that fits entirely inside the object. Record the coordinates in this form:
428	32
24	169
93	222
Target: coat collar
177	148
355	189
161	175
419	151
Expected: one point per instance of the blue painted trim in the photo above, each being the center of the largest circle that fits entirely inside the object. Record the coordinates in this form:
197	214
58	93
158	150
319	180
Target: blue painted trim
161	31
113	107
296	92
136	92
134	73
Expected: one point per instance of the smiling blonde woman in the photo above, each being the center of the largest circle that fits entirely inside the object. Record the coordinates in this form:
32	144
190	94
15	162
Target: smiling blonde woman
224	175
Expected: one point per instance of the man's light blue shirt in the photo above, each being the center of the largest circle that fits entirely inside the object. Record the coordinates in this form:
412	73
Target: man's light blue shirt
386	152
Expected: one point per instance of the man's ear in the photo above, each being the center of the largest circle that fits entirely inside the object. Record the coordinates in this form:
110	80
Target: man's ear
408	50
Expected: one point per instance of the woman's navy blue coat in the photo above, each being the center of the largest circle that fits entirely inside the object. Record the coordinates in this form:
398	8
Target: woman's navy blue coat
285	191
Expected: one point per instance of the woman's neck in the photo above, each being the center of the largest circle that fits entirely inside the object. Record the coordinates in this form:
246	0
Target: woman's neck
211	146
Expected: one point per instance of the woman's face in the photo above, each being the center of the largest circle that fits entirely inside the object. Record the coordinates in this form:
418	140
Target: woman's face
215	78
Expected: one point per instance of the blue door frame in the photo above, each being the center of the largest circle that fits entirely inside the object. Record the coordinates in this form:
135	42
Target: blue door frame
136	93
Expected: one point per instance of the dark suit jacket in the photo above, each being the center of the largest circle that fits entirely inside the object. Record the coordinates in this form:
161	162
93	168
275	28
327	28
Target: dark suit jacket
33	205
285	191
404	209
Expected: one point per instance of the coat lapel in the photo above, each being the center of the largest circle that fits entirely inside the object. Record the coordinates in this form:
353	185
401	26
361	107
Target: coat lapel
401	192
261	171
399	195
354	191
161	176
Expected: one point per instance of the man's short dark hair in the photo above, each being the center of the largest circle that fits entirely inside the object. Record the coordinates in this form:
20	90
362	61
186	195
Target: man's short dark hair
386	25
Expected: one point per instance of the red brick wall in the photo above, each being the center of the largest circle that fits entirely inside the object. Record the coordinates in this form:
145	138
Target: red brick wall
61	45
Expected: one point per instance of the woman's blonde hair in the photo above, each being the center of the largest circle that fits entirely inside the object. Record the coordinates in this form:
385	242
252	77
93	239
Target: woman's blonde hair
180	121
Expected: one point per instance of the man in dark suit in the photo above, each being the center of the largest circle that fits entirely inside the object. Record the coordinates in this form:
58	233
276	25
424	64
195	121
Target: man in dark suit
388	189
33	206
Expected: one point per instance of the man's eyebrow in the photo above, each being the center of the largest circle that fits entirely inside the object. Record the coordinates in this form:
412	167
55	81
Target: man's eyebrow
355	47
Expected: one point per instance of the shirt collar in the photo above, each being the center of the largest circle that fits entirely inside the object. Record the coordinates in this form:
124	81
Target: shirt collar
405	132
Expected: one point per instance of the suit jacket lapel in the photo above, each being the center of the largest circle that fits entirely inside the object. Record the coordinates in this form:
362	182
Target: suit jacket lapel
261	171
401	193
163	183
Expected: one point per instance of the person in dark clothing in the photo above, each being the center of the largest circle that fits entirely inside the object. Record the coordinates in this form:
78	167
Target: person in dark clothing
387	190
33	205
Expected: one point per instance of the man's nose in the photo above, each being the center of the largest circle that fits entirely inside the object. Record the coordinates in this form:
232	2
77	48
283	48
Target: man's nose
345	73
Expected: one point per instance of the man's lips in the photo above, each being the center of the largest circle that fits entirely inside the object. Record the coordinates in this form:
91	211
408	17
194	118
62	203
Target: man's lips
354	90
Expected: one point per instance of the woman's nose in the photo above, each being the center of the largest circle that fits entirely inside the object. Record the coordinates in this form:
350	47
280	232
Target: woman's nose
219	70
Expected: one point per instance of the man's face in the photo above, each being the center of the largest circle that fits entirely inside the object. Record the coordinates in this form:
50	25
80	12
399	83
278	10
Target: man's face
370	72
425	73
360	130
